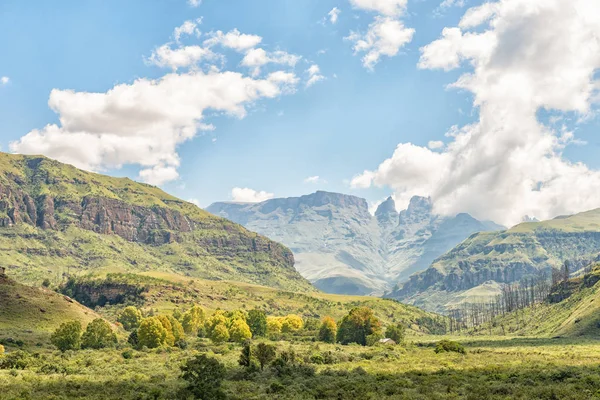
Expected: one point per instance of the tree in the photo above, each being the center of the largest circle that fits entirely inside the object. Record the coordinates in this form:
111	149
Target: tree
357	325
176	328
291	323
98	335
273	326
151	333
67	336
265	354
395	332
219	334
246	355
130	317
204	376
133	338
218	318
328	330
193	320
257	321
239	331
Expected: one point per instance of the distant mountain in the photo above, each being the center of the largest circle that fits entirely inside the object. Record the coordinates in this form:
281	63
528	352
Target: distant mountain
341	248
503	257
57	220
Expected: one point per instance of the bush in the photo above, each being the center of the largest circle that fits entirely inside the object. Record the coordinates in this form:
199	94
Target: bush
265	354
133	338
16	360
204	376
67	336
449	346
328	330
1	349
395	332
219	334
273	326
98	335
239	331
131	318
127	354
246	355
291	323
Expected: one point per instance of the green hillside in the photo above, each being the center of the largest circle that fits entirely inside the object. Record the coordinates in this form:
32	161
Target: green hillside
504	257
56	219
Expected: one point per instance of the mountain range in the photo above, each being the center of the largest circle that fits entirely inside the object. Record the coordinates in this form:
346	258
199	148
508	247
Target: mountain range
342	248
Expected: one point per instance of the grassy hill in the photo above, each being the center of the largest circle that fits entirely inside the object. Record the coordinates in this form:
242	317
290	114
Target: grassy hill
32	314
56	219
504	257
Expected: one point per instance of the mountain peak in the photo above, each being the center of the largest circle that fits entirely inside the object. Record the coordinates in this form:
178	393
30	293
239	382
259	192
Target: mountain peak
386	211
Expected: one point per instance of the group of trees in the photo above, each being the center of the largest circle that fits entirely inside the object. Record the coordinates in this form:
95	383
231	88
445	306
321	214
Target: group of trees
97	335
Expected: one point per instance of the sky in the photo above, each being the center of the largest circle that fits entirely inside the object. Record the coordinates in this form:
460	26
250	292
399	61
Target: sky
488	107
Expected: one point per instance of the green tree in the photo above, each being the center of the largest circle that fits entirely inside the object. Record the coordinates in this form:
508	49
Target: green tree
257	321
395	332
246	355
328	330
357	325
67	336
239	331
98	335
265	354
130	318
151	333
219	334
204	376
193	319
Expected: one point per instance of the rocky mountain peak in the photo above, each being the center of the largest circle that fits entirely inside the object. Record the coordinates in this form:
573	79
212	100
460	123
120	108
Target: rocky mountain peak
386	211
419	209
321	198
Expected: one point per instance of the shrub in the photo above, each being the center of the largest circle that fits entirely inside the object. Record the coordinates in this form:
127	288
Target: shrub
46	283
19	359
246	355
151	333
291	323
127	354
328	330
273	326
219	334
130	317
67	336
98	335
449	346
204	376
257	321
1	349
357	325
239	331
395	332
133	338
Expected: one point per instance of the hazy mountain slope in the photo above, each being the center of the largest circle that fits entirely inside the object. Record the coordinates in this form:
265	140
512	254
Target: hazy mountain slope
55	218
342	248
506	256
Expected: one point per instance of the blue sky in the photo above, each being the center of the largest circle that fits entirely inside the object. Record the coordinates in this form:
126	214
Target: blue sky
349	122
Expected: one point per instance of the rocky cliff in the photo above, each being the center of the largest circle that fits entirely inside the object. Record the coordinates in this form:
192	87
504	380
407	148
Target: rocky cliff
504	257
342	248
52	208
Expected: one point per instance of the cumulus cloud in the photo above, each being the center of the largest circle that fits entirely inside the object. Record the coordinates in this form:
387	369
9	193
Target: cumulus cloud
194	3
435	144
314	75
189	28
182	57
452	3
247	195
314	180
233	40
509	163
4	80
144	122
334	15
257	57
386	34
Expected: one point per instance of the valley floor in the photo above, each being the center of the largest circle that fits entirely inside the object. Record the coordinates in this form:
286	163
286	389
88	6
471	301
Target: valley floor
493	368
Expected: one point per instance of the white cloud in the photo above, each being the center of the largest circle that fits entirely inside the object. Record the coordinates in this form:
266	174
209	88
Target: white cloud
233	40
182	57
385	37
314	75
247	195
195	202
194	3
435	144
391	8
334	15
509	164
187	28
144	122
314	180
256	58
452	3
4	80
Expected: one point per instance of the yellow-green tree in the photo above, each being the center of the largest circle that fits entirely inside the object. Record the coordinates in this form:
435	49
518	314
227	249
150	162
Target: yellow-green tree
219	334
67	336
151	333
166	323
193	320
357	325
292	323
328	330
98	335
239	331
130	318
273	326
